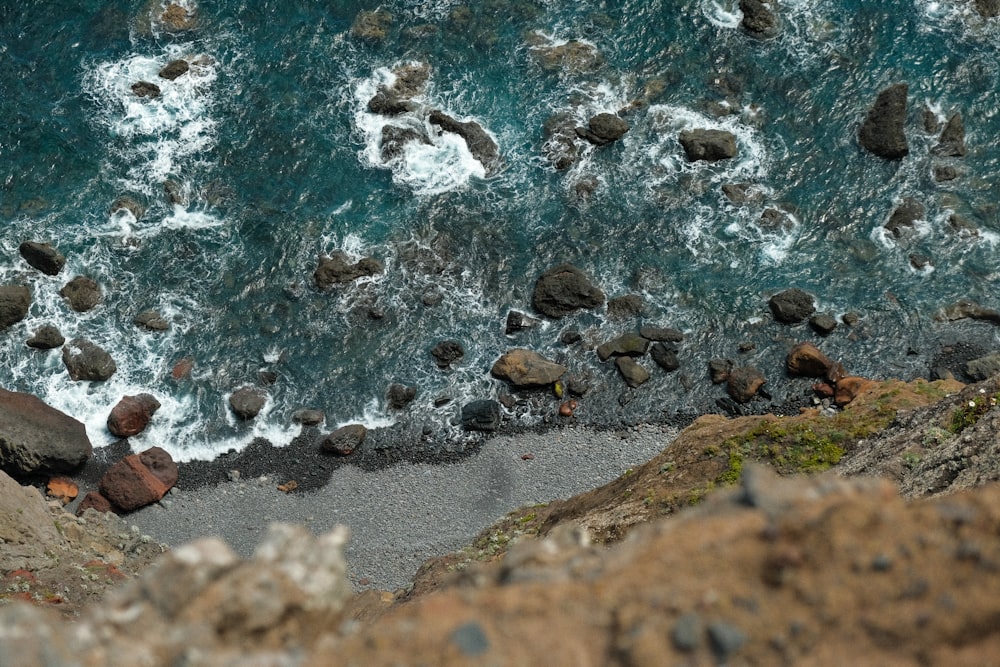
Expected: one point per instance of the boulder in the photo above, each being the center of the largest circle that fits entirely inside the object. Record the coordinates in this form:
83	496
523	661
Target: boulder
82	293
633	372
46	337
399	396
719	370
984	367
965	309
395	139
565	289
662	334
603	129
43	257
628	344
665	357
823	323
962	226
309	417
132	414
24	519
952	140
624	307
572	56
371	26
806	360
708	145
174	69
945	172
38	439
151	320
481	415
14	303
247	402
344	440
338	269
129	204
760	18
850	387
176	18
447	352
882	131
518	321
480	144
904	217
93	501
743	383
791	306
145	89
159	462
129	484
525	368
560	148
86	361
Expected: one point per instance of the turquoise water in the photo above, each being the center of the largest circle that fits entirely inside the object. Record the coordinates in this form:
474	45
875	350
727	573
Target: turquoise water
276	155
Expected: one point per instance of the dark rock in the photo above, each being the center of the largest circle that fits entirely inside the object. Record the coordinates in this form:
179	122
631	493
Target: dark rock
432	297
175	192
851	318
132	414
882	131
447	352
559	131
664	334
38	439
176	18
931	122
159	462
983	367
481	415
565	289
725	638
399	396
743	383
93	501
480	144
664	357
941	373
920	261
904	217
729	406
709	145
525	368
823	323
719	370
394	140
806	360
628	344
635	375
337	269
962	226
308	417
129	484
687	631
145	89
86	361
966	309
518	321
791	306
746	346
129	204
470	639
385	102
603	129
82	293
623	307
945	172
174	69
737	193
952	141
43	257
46	337
14	303
247	402
570	337
371	26
776	221
577	385
760	18
988	8
344	440
152	320
573	56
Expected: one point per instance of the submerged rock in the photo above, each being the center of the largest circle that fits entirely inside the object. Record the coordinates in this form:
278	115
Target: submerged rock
38	439
952	141
145	89
565	289
86	361
560	148
151	320
573	56
518	321
14	303
447	352
130	204
337	269
480	144
904	217
394	140
176	18
709	145
42	256
371	26
624	307
882	131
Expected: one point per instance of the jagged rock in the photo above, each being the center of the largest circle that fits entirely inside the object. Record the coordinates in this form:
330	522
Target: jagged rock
344	440
371	26
447	352
627	344
952	141
760	18
603	129
14	303
633	372
719	370
966	309
664	357
565	289
823	323
131	415
662	334
945	172
525	368
38	439
87	361
904	217
43	257
23	517
791	306
743	383
395	139
82	293
882	131
399	396
572	56
481	415
518	321
151	320
559	131
920	261
309	417
46	337
708	145
174	69
480	144
129	204
247	402
145	89
623	307
337	269
393	100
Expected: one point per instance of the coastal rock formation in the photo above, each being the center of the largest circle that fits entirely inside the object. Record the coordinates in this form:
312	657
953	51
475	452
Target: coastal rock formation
139	479
665	357
481	415
572	56
394	141
603	129
564	289
904	217
560	148
14	303
952	140
964	308
882	131
526	368
760	18
131	415
37	439
398	396
87	361
480	144
709	145
43	257
46	337
338	269
791	306
82	293
344	440
151	320
518	321
247	402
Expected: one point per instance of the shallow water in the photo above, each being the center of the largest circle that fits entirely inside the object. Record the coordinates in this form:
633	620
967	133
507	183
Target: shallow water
278	162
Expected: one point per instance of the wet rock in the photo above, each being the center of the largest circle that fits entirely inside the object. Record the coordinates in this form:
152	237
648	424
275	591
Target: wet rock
628	344
38	439
603	129
665	357
247	402
176	18
570	337
952	141
737	193
565	289
719	370
518	321
930	120
345	440
46	337
447	352
151	320
823	323
988	8
338	269
966	309
174	69
945	172
708	145
399	396
806	360
410	80
760	18
572	56
560	148
480	144
904	217
132	414
962	226
130	484
983	367
14	303
145	89
776	221
86	361
308	417
920	261
624	307
395	139
82	293
526	368
791	306
851	318
175	192
371	26
481	415
662	334
633	372
882	132
42	256
127	203
743	383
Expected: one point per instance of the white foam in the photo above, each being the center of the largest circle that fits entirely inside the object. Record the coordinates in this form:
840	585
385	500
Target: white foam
725	14
372	416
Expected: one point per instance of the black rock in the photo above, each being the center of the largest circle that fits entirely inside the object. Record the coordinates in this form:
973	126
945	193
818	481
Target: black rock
518	321
952	141
791	306
247	402
664	357
663	334
145	89
86	361
400	395
14	303
962	226
565	289
130	204
386	102
719	369
603	129
480	144
345	440
46	337
481	415
945	172
823	323
394	140
447	352
174	69
708	145
38	439
920	261
152	320
570	337
43	257
882	131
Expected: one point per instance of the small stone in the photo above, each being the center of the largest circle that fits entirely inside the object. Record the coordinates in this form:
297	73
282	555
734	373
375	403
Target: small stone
664	357
851	318
726	638
823	323
151	320
570	337
719	369
174	69
686	633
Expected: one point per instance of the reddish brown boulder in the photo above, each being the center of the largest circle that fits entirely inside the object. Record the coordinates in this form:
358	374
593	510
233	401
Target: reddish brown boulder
806	360
161	464
132	415
850	387
744	383
95	501
823	390
130	484
182	368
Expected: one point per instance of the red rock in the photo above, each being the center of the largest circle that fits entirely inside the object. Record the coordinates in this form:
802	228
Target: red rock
567	408
63	488
130	485
850	387
182	368
161	464
806	360
823	390
93	500
132	414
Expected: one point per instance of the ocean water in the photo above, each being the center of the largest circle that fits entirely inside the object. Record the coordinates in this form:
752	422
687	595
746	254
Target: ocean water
277	158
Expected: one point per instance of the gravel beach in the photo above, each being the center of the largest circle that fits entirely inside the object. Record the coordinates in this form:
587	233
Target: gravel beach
402	515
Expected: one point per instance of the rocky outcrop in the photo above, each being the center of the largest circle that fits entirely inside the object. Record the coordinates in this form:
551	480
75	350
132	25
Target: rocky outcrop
82	293
603	129
87	361
791	306
952	140
371	26
46	337
151	320
806	360
564	289
395	139
247	402
174	69
42	256
963	309
399	396
409	81
345	440
481	415
37	439
130	204
479	142
526	368
571	57
177	18
708	145
132	414
338	269
882	131
560	148
14	303
518	321
760	18
904	217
